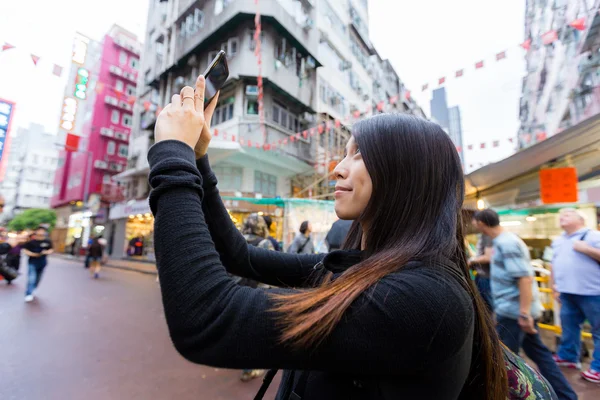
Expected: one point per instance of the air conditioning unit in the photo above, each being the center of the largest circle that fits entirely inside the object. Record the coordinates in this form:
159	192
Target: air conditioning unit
308	24
121	136
100	164
125	105
106	132
113	69
251	90
111	100
345	65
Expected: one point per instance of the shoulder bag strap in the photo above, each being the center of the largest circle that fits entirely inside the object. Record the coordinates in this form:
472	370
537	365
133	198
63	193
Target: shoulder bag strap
303	246
266	383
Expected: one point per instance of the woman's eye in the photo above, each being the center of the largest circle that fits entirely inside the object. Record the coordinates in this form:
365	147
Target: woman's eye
357	151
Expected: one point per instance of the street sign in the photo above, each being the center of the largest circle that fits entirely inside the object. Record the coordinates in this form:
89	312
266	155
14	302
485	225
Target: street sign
558	185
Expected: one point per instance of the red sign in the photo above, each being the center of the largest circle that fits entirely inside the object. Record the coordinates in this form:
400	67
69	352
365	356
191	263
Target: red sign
72	142
558	185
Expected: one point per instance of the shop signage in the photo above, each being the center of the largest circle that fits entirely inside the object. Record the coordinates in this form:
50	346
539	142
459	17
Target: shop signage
80	47
124	210
558	185
6	111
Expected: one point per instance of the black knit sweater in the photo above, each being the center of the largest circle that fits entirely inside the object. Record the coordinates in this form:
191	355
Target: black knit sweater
408	337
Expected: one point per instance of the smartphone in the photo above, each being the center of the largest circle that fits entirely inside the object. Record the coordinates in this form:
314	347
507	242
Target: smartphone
215	75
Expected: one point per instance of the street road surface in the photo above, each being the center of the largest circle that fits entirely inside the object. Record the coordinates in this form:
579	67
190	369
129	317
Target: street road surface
102	339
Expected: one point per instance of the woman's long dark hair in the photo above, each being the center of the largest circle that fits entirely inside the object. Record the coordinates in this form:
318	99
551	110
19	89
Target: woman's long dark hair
417	174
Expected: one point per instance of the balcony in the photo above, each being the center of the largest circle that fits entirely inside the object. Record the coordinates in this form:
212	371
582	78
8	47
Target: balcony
100	164
122	136
130	46
214	29
107	132
130	76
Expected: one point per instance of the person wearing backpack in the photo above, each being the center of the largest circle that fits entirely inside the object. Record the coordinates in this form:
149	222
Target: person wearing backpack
576	285
302	243
394	315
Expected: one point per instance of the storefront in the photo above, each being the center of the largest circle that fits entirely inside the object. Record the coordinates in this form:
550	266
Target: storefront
132	230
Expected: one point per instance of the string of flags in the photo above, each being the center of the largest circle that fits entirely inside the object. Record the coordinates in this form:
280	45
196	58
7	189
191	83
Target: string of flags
546	39
56	69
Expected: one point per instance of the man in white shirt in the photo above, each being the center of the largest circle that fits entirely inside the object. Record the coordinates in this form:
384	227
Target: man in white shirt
576	284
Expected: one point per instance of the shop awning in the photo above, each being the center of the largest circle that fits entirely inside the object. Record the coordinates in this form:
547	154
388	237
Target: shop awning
517	176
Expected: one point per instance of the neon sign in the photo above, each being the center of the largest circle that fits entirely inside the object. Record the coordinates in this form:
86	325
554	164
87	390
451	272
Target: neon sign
69	110
81	83
80	45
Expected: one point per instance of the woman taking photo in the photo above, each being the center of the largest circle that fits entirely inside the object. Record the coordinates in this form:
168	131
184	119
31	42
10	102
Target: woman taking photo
393	316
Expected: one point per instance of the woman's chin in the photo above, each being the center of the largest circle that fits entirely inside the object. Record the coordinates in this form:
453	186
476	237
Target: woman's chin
343	212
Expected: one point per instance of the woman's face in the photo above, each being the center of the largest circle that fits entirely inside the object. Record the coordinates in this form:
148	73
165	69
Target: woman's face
354	186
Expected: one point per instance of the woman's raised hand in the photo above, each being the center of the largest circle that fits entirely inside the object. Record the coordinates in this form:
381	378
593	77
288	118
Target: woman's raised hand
184	119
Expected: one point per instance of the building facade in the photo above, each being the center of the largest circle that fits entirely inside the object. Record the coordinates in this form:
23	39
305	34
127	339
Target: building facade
98	108
30	167
318	67
561	87
449	118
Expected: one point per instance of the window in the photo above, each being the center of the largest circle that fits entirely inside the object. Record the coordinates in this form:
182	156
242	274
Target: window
110	148
232	47
285	118
127	120
230	177
106	179
123	150
119	86
115	117
134	63
223	112
130	90
276	114
265	183
334	20
123	58
251	106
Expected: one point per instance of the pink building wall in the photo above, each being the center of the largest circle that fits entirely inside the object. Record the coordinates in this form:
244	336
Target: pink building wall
71	176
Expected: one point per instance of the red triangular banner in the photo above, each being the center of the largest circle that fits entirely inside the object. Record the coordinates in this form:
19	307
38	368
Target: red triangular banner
442	80
7	46
35	59
337	124
424	87
131	99
501	56
549	37
578	24
460	73
479	65
526	44
147	105
380	106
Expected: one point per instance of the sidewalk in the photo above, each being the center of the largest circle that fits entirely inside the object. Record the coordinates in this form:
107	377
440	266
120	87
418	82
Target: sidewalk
130	265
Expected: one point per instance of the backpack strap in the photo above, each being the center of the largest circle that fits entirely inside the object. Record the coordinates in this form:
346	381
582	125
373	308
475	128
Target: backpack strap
266	383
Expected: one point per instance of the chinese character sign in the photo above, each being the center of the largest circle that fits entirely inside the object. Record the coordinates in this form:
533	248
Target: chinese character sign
6	111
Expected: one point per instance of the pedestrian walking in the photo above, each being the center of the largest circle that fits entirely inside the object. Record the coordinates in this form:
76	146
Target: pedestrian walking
337	234
481	264
516	300
394	316
302	243
274	242
576	285
37	249
95	254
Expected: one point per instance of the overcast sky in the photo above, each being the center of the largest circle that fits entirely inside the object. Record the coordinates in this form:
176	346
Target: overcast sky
423	39
428	39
